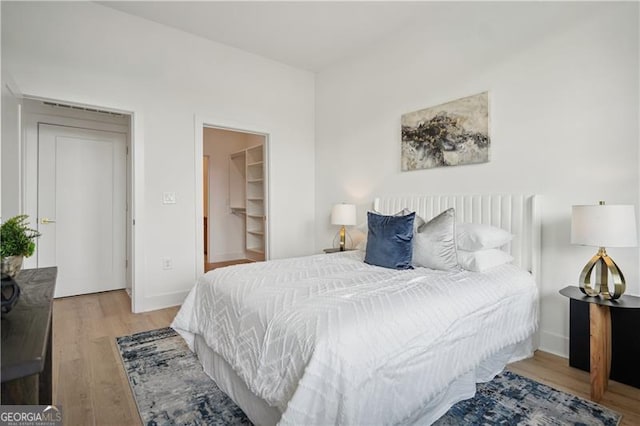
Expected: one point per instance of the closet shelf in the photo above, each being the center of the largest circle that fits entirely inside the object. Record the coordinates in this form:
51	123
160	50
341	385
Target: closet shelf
248	194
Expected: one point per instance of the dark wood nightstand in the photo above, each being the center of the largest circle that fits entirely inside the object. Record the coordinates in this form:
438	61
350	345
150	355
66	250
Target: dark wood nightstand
335	250
603	338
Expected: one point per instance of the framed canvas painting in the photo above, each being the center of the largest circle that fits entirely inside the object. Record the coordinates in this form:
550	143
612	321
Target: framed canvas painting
449	134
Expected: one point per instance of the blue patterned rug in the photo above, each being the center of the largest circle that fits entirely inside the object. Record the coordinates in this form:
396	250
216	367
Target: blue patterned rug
171	388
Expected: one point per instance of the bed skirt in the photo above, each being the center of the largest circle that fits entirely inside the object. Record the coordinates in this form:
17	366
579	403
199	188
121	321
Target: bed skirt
262	414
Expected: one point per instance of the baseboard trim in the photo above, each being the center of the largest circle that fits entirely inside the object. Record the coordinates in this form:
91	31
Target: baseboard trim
225	257
162	301
554	343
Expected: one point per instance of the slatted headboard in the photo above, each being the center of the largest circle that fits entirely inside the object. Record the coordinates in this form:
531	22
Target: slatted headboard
517	213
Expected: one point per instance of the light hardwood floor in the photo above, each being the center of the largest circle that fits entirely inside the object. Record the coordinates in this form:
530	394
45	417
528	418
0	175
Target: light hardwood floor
554	371
91	386
89	380
215	265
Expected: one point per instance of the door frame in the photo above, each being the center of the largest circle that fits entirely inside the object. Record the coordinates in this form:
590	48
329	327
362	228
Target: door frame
200	123
205	206
135	169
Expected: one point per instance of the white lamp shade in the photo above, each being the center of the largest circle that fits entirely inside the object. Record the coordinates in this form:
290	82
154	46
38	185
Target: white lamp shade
604	226
343	214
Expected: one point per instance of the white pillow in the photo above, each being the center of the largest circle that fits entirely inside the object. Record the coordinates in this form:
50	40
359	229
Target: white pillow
475	236
434	245
482	260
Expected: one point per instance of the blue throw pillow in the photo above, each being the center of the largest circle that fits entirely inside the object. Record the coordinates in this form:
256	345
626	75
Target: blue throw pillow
389	240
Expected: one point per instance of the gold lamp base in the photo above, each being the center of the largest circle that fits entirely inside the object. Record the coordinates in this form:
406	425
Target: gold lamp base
603	265
343	238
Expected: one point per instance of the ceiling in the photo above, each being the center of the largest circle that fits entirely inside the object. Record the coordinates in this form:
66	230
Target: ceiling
307	35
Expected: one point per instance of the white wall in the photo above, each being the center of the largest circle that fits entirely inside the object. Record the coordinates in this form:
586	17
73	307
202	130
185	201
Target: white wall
563	82
2	112
226	228
10	149
90	54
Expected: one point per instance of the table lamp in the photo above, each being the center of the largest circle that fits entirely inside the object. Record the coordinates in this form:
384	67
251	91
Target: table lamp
343	214
603	226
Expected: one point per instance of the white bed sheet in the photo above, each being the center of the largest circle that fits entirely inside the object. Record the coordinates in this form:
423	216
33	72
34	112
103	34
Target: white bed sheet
328	339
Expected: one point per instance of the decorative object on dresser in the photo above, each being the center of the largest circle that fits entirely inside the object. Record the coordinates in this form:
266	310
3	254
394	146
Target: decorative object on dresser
10	293
449	134
343	215
16	242
26	341
603	226
603	338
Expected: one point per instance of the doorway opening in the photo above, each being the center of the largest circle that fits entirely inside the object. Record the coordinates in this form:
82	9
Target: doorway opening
234	213
77	190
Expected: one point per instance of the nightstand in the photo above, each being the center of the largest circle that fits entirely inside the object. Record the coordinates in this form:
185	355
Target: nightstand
335	250
603	338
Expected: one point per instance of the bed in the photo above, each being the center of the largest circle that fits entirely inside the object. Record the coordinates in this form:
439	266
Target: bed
329	339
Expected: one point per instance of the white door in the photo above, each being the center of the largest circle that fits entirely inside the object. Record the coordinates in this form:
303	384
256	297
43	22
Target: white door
82	208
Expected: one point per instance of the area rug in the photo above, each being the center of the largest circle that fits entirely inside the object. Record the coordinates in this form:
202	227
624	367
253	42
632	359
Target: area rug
170	388
510	399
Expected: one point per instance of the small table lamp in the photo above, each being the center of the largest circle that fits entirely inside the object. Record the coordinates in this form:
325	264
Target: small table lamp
343	214
603	226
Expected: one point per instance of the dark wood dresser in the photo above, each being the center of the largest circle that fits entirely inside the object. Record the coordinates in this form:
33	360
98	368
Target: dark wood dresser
26	341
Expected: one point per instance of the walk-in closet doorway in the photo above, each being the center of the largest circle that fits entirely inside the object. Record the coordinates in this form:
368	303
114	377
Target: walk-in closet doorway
234	197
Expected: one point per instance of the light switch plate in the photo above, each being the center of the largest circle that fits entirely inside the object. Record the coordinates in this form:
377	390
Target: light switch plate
167	263
168	198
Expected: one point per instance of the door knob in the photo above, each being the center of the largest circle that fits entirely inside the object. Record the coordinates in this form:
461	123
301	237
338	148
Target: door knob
46	221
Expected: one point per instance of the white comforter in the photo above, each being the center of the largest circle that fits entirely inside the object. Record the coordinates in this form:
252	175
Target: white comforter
328	339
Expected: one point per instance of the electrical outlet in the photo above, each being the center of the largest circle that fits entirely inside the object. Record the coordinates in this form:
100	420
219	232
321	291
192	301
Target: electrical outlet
168	198
167	263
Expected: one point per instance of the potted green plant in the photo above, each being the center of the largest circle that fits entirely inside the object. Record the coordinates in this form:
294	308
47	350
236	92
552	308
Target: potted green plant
16	242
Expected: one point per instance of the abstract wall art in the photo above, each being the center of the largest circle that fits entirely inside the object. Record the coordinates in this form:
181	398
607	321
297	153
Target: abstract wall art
449	134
